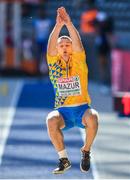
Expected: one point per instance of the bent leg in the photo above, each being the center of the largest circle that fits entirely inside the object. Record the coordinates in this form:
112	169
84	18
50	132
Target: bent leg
55	123
90	121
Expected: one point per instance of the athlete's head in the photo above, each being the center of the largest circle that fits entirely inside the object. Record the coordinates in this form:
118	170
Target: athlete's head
64	46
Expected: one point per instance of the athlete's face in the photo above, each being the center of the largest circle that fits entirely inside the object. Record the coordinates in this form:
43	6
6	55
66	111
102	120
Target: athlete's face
64	47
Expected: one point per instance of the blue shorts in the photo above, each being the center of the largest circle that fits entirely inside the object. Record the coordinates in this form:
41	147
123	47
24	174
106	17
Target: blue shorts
73	115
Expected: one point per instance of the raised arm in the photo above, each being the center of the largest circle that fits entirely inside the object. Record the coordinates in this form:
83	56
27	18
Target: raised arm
52	42
76	40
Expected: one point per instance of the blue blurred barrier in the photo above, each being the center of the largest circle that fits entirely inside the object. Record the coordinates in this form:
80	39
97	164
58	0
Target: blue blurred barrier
37	94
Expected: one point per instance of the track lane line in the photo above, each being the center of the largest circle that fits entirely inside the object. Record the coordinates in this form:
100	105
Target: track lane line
9	120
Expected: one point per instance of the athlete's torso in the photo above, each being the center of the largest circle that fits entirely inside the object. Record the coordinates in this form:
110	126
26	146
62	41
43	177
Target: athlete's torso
70	80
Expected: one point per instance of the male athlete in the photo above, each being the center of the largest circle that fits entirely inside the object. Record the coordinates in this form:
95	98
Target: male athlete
69	75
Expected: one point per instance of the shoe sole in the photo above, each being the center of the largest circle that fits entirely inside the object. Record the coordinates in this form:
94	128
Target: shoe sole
61	172
83	170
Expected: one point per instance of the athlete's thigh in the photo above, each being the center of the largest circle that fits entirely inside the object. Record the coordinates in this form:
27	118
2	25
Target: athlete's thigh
56	117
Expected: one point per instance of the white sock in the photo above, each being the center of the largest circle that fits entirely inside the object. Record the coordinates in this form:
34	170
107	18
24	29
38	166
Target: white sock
63	154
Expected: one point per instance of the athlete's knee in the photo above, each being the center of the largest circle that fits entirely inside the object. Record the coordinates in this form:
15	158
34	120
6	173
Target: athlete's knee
91	119
52	120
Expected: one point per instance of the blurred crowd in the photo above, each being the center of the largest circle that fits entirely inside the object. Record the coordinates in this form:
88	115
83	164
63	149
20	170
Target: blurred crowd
33	36
97	31
34	46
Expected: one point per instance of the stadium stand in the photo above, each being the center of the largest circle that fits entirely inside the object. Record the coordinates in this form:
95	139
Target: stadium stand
117	9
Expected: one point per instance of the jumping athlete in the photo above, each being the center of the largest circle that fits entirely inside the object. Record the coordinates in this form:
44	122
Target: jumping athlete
69	75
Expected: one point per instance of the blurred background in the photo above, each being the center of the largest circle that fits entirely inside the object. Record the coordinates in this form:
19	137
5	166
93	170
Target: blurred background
26	94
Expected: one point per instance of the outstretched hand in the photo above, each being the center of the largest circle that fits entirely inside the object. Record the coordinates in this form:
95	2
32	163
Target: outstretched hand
59	20
62	16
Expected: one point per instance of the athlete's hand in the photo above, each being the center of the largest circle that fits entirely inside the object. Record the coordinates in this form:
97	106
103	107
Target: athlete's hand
64	15
59	20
